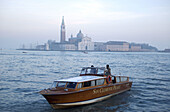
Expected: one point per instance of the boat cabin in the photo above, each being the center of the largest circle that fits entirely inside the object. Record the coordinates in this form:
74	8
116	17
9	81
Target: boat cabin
84	82
96	71
80	82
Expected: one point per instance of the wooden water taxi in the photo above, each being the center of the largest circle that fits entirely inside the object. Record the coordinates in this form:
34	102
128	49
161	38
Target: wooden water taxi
91	86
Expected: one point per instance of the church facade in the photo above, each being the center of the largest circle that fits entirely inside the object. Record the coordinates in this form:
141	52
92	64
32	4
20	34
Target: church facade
86	44
81	42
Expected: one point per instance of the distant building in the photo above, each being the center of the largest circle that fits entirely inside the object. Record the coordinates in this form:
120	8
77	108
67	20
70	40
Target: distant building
165	50
116	46
76	40
68	46
142	47
99	46
40	47
63	45
80	35
148	48
43	47
86	44
47	47
63	32
134	47
81	42
54	46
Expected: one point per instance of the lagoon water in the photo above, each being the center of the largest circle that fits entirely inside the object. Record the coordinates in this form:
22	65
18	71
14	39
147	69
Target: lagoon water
22	75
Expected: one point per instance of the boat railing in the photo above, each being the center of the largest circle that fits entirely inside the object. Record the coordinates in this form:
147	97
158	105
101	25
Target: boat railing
121	79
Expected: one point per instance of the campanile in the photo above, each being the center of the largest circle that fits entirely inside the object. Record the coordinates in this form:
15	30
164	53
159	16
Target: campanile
63	32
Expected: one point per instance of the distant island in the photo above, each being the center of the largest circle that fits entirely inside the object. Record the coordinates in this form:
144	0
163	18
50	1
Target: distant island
84	43
166	51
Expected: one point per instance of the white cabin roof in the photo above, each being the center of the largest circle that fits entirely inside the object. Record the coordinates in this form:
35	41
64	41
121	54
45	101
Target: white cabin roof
81	79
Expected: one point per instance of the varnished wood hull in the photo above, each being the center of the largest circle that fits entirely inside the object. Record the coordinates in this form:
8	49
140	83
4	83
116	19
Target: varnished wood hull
87	96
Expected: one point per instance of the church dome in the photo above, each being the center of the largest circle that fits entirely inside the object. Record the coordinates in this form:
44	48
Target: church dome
80	35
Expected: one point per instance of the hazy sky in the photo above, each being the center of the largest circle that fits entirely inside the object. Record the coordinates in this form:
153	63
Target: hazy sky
32	21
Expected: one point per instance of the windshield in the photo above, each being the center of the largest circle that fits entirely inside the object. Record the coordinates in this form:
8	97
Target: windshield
89	71
100	71
61	84
93	70
54	84
71	85
83	71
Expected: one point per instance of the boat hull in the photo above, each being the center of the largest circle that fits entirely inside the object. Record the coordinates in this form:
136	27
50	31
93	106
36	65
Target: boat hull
86	96
67	105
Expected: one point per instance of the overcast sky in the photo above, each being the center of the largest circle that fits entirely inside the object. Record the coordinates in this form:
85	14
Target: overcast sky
32	21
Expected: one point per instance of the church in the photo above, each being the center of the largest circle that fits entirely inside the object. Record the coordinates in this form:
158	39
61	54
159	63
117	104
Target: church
80	42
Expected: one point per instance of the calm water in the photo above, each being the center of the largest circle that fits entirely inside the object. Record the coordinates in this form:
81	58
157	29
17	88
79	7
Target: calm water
22	75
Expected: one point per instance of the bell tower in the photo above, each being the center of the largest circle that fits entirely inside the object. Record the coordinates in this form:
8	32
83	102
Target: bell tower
63	31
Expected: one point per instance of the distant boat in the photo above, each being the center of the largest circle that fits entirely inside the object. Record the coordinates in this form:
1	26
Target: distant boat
91	86
24	52
85	52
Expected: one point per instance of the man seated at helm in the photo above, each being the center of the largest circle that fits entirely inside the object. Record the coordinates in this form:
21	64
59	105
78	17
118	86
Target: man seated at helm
93	70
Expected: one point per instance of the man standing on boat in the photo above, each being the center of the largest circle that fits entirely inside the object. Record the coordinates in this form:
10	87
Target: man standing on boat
107	70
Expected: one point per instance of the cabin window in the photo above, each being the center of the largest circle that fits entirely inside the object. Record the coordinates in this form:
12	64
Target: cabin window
79	85
83	71
117	79
114	79
71	84
100	71
123	79
100	82
88	71
93	83
61	84
54	84
87	84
